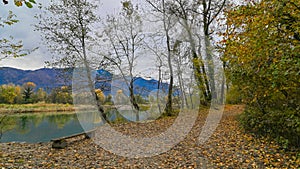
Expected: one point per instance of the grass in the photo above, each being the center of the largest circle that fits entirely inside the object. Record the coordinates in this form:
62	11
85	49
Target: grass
47	107
33	108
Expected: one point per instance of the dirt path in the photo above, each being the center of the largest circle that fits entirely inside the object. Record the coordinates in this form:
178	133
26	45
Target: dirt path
228	147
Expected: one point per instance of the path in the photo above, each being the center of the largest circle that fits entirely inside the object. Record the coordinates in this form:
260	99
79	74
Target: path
229	147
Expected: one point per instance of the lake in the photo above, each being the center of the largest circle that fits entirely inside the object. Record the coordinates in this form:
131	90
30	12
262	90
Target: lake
39	127
42	127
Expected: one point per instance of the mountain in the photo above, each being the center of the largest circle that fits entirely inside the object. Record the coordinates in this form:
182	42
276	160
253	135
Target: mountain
44	78
49	78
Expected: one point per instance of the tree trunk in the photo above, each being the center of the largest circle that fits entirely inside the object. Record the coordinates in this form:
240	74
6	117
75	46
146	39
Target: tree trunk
211	71
170	91
133	100
90	81
158	89
222	97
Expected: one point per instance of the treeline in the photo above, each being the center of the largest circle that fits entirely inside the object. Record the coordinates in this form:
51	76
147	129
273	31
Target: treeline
28	93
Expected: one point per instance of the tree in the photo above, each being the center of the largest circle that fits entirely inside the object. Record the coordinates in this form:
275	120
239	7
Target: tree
185	13
210	11
196	18
155	46
40	95
67	29
108	99
120	98
8	48
167	25
28	90
61	95
8	93
261	48
125	37
100	95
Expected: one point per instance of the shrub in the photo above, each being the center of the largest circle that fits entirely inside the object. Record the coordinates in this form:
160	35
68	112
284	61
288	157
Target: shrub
281	124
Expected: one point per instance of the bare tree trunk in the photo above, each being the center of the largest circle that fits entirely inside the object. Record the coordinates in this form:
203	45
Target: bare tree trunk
133	100
158	88
89	74
210	13
170	90
198	65
222	97
184	102
210	65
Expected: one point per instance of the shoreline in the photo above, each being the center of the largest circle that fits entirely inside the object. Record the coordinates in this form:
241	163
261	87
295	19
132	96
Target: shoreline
6	109
10	109
228	147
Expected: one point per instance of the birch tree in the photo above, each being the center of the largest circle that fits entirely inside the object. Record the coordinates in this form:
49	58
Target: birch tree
125	37
196	19
67	28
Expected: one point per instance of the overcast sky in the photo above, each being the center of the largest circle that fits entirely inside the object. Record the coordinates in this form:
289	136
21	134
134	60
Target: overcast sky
24	31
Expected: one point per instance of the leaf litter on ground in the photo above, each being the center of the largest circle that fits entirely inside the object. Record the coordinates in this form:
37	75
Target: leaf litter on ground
228	147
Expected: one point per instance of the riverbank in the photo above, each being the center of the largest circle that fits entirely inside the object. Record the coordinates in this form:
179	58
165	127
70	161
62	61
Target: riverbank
34	108
9	109
228	147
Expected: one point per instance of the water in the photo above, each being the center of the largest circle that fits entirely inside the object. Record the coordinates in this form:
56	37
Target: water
42	127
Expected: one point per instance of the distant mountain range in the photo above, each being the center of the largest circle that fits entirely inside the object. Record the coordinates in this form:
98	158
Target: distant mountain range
43	78
49	78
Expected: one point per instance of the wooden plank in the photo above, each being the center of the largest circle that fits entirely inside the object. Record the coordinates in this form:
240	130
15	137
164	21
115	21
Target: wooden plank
59	144
62	143
88	134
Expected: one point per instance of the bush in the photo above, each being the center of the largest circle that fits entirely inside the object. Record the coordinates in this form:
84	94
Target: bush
233	96
281	124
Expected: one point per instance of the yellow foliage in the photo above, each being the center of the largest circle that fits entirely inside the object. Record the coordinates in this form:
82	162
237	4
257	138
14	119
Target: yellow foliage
100	95
29	85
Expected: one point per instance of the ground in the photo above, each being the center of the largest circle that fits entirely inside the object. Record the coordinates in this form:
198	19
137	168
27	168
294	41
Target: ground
228	147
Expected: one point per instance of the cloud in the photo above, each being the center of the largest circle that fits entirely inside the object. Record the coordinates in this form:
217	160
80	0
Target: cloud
24	30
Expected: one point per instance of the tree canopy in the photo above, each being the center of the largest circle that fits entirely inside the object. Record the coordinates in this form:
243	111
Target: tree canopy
262	48
9	48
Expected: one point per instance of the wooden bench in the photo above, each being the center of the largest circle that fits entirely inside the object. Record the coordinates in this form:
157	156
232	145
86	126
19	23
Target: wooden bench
61	142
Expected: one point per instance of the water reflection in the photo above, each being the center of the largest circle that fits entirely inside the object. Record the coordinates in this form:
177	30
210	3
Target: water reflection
42	127
39	127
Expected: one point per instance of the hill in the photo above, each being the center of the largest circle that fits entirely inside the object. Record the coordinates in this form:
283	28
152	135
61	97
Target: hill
49	78
44	78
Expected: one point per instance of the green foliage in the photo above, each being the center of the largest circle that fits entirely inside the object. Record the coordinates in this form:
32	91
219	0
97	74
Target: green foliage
233	96
100	95
262	48
61	95
140	100
28	91
8	93
281	124
8	48
40	95
108	100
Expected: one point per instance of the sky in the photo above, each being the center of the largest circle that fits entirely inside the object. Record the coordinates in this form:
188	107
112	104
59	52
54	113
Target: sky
24	30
